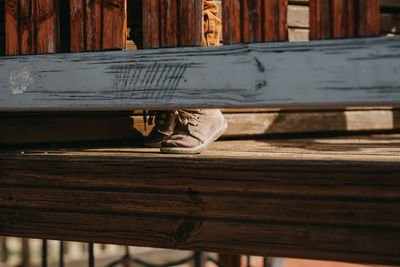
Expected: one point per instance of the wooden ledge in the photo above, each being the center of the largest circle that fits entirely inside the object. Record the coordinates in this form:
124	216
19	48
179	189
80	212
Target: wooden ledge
321	198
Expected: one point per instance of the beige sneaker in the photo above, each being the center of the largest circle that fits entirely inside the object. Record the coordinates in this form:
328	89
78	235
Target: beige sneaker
195	130
165	121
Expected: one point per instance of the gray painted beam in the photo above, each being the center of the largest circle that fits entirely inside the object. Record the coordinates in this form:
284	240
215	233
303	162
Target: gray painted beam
348	72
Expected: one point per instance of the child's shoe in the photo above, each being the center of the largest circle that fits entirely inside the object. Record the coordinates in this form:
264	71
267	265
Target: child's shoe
165	122
195	130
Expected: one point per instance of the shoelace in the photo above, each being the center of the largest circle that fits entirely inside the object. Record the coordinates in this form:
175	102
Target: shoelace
187	117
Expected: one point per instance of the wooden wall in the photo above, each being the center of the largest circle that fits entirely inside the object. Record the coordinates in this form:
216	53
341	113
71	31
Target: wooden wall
41	26
251	21
344	18
172	23
2	40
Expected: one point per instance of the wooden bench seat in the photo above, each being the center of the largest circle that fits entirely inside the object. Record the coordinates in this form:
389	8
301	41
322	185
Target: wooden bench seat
333	198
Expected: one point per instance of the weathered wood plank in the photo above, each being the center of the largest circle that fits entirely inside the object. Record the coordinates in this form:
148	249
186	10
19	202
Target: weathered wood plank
369	18
2	28
31	26
247	123
114	24
255	21
344	18
22	128
172	23
313	198
97	25
12	46
47	26
319	73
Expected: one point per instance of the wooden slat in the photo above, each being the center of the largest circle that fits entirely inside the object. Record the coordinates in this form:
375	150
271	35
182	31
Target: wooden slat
226	260
77	25
47	26
369	18
12	15
114	24
97	25
256	20
171	23
151	38
231	22
31	26
191	23
344	18
275	25
2	28
264	78
249	124
324	198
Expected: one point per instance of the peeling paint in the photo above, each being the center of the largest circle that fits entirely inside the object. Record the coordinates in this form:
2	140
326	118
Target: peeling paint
20	80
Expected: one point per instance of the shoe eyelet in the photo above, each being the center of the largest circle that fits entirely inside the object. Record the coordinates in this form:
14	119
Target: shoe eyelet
161	122
163	115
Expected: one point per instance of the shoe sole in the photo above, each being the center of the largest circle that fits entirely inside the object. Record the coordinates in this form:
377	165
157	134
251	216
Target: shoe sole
152	145
197	149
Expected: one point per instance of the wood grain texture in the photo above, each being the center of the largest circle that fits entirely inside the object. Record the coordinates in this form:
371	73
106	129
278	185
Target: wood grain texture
227	260
172	23
250	124
31	27
114	24
2	28
369	18
319	73
255	21
324	198
344	18
97	25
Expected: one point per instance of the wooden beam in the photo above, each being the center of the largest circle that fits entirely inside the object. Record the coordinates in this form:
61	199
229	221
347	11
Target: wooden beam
323	198
320	73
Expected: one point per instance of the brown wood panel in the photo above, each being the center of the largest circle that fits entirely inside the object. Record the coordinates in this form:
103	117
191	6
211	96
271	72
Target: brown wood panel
97	25
2	28
227	260
12	26
151	23
275	25
93	23
190	23
323	198
231	21
47	26
31	26
169	23
255	21
114	24
344	18
77	25
368	18
172	23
